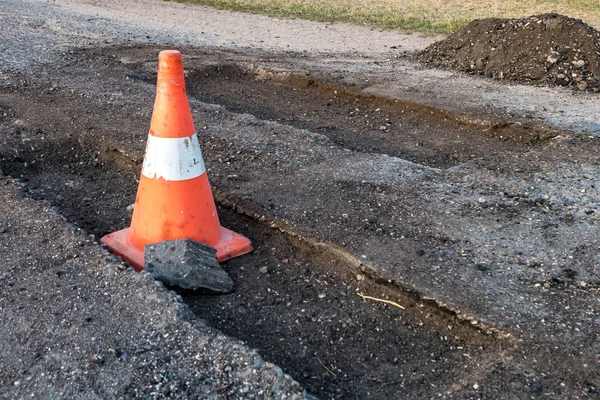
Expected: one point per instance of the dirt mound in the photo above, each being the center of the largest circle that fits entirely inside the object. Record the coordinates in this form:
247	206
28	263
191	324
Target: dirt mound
548	48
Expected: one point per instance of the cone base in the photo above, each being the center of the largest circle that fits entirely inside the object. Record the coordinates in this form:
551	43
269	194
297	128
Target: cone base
231	245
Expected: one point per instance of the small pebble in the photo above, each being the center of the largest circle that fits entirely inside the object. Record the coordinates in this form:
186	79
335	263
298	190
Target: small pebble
263	270
97	359
482	267
112	351
553	57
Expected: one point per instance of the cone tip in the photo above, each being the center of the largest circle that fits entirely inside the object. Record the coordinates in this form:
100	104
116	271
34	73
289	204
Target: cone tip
170	65
169	55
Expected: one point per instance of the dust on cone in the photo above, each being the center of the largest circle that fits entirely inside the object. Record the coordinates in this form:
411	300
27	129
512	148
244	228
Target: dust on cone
174	200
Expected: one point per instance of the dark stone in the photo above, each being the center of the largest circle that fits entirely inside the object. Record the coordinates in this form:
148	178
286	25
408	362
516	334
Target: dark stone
482	267
479	64
187	264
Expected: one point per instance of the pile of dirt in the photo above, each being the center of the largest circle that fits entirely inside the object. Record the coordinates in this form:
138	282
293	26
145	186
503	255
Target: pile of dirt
547	48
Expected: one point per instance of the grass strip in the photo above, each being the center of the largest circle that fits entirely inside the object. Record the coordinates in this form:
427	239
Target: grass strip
429	16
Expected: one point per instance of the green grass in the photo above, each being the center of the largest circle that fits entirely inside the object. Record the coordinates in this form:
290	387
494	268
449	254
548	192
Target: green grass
428	16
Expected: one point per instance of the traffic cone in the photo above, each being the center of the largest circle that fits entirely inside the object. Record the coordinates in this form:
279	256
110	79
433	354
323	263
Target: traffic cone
174	200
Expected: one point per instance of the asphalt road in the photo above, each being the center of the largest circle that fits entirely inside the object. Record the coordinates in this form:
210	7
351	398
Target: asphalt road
36	35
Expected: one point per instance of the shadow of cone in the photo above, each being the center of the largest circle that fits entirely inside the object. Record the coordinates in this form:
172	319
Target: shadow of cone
174	200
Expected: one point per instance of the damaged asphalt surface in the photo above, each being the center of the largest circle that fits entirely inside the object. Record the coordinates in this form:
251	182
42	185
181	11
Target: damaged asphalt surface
504	240
76	325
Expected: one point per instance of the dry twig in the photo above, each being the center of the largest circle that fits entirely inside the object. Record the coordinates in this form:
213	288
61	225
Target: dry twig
324	366
381	300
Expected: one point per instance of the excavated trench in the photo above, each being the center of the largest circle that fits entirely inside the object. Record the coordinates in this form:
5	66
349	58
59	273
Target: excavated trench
355	120
299	302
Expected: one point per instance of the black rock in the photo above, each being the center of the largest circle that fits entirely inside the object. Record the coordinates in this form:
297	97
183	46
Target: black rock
482	267
187	264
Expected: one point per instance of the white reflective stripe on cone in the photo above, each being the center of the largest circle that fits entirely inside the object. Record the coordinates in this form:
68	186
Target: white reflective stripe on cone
173	159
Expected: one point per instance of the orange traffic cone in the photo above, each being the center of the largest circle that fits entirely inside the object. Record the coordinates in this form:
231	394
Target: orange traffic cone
174	200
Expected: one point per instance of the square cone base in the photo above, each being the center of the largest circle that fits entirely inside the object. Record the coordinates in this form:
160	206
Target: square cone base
231	245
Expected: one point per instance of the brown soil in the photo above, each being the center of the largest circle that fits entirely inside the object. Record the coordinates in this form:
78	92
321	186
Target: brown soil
548	48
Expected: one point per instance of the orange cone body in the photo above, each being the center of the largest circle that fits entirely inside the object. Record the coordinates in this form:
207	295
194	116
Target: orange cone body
174	200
